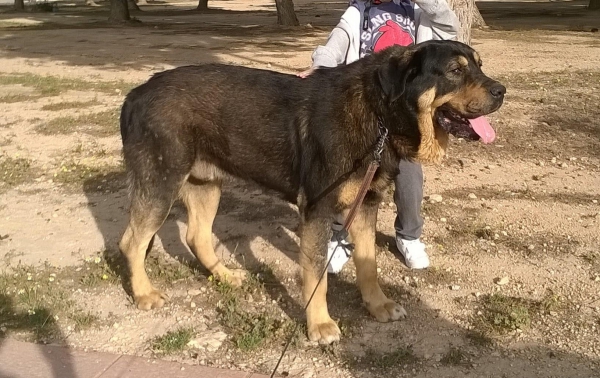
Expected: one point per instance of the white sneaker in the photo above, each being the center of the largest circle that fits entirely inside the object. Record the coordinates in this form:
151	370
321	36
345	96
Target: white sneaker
341	252
413	252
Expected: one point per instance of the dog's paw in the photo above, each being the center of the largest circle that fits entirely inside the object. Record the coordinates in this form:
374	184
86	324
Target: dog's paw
325	332
234	277
155	299
387	311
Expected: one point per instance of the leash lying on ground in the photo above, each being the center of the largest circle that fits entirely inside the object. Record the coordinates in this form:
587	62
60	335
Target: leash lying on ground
343	233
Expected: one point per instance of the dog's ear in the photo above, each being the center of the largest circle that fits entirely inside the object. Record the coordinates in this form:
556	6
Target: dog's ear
394	75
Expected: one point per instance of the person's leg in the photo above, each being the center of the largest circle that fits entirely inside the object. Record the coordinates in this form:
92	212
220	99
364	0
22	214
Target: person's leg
409	223
340	249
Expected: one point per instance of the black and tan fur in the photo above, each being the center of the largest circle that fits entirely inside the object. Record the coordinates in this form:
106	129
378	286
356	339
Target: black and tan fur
187	128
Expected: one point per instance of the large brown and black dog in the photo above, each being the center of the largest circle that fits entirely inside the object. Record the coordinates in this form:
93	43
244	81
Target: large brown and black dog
186	129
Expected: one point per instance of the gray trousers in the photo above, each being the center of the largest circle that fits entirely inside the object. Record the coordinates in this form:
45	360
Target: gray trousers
408	197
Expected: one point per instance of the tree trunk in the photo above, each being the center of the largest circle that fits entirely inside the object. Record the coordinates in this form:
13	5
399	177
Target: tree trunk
478	20
465	10
19	5
594	4
286	15
119	12
142	2
202	5
131	4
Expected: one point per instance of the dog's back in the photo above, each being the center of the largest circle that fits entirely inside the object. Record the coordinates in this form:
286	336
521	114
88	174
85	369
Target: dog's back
226	117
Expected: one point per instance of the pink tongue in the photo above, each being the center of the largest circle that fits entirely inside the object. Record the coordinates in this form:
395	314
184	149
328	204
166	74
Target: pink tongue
483	128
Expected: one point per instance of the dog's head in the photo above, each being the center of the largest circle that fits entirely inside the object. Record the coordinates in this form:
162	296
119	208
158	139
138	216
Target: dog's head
444	84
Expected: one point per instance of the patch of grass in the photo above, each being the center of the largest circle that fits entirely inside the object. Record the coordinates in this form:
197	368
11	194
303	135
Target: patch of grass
502	314
30	297
436	276
169	272
404	356
254	331
454	357
83	320
11	99
102	124
54	85
479	339
15	171
172	341
99	178
250	327
591	257
70	105
98	271
7	124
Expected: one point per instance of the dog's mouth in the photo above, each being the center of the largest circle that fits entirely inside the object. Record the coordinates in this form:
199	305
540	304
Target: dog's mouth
473	128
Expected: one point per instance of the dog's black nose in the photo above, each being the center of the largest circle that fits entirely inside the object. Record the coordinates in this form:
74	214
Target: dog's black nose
498	90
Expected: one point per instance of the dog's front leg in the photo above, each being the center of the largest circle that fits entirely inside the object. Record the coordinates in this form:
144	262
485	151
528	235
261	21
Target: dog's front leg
362	232
314	235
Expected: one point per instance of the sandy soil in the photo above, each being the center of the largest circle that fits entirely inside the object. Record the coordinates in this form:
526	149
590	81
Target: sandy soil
524	209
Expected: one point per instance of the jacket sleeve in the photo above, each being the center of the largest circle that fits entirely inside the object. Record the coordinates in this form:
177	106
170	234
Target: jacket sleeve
337	48
437	16
334	52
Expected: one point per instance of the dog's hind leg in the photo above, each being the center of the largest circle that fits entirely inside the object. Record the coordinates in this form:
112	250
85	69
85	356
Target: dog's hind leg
147	214
362	232
314	235
202	201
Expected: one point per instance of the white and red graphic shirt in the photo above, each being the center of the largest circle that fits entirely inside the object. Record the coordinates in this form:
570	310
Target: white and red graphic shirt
389	23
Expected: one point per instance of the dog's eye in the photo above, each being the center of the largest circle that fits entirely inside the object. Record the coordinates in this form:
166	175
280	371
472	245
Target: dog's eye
456	70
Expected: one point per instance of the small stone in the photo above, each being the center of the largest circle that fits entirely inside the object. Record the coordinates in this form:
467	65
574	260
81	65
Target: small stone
531	247
490	166
435	198
564	165
597	279
192	305
210	341
553	160
541	163
502	281
194	292
472	196
454	287
594	201
378	270
443	220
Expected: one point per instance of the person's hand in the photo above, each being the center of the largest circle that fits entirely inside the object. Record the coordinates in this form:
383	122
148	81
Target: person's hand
305	74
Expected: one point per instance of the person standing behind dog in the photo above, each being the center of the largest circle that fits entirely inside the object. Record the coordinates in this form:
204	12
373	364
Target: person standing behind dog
371	26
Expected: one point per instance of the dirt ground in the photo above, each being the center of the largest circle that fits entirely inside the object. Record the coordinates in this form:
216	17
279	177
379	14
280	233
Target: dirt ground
512	228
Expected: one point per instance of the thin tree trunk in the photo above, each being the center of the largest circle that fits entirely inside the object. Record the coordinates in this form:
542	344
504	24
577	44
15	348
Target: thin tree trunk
478	20
594	4
286	15
19	5
119	12
131	4
202	5
142	2
464	10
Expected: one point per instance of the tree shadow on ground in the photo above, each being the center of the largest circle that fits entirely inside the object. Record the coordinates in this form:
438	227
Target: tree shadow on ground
539	15
42	326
